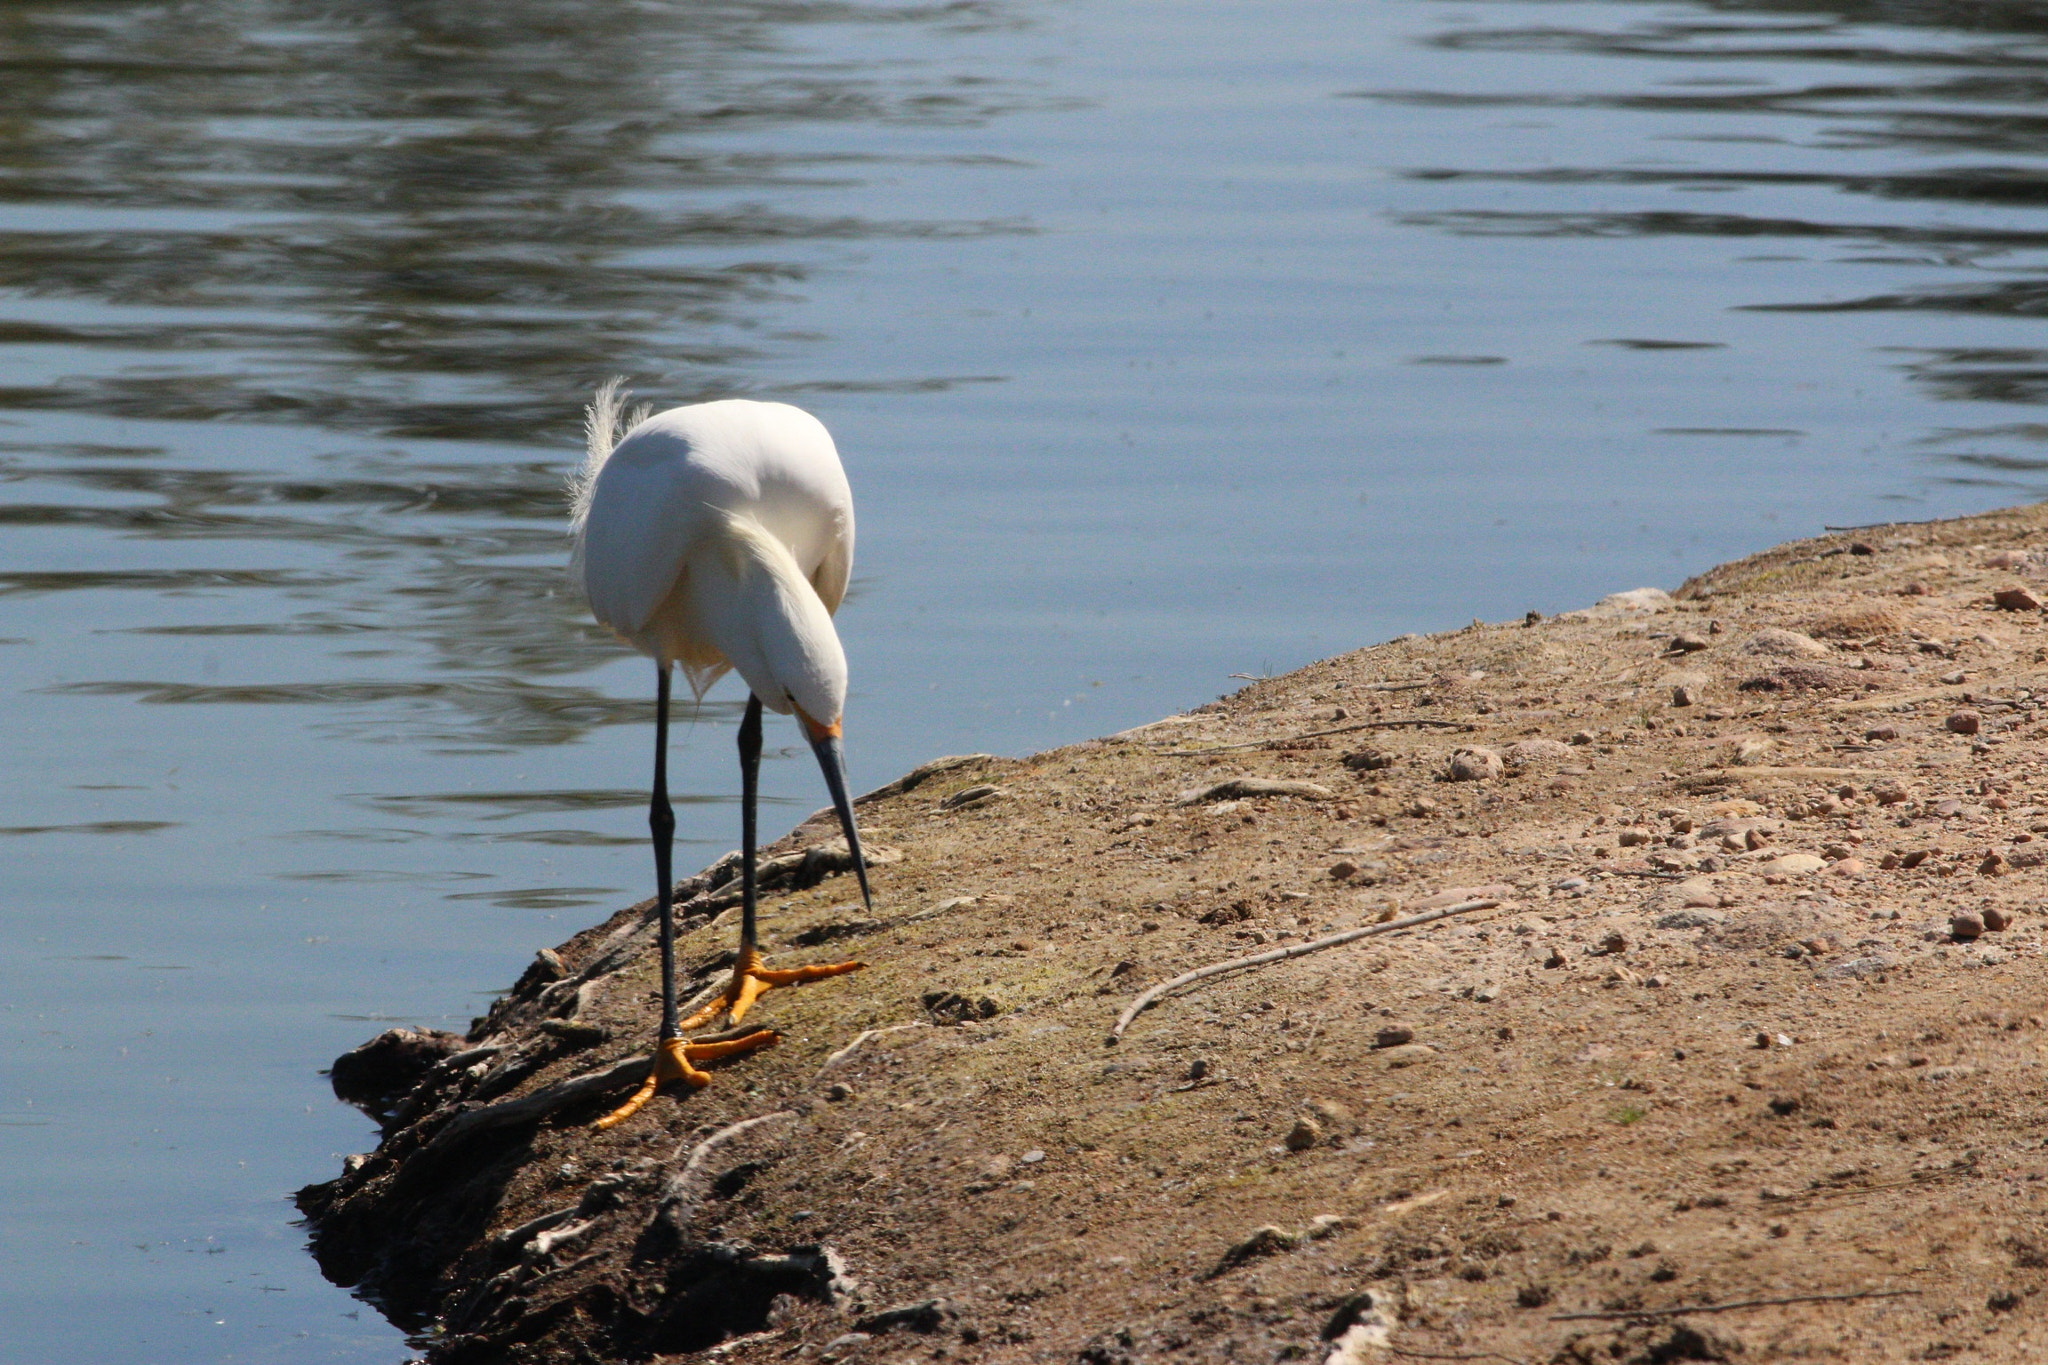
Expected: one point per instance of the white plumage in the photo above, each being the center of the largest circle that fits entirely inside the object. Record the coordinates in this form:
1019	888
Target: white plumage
720	536
712	537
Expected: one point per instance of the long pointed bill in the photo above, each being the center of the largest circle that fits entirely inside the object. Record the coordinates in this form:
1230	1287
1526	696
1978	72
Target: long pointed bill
831	758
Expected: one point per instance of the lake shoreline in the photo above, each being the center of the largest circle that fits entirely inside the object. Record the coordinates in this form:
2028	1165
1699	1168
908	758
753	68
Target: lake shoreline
1737	1001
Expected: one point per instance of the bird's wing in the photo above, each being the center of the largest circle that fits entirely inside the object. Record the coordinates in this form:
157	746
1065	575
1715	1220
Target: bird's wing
645	510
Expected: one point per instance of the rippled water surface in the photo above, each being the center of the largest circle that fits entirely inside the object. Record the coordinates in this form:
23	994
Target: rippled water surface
1164	342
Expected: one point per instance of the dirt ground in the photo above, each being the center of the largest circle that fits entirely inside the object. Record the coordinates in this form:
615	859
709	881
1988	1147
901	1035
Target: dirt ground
1745	1060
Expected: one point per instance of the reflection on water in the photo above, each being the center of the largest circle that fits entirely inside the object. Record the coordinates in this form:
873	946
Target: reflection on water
1164	344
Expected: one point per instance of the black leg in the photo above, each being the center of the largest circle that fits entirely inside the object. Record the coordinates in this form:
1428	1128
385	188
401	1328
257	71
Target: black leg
661	820
750	785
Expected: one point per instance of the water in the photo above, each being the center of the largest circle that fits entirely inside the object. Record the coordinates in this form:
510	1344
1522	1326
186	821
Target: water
1164	343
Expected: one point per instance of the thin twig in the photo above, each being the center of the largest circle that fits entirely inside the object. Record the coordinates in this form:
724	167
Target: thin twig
676	1188
1740	1303
836	1058
1139	1005
1320	734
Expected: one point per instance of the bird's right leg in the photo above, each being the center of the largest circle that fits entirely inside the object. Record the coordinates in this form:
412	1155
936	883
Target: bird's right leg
750	975
673	1057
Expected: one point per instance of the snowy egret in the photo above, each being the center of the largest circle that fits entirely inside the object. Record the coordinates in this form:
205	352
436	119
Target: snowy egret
717	537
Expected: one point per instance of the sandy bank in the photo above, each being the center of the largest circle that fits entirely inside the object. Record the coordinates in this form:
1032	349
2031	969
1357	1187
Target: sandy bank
1717	1040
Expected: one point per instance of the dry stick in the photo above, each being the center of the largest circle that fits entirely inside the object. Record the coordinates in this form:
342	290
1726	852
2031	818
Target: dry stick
1320	734
1139	1005
836	1058
674	1190
1430	1355
1741	1303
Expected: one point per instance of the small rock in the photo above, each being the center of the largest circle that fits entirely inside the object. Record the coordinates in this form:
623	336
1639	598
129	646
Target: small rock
1532	1296
1683	696
1795	863
1657	983
1693	892
1243	788
1583	737
968	798
1407	1054
1199	1068
1032	1157
1613	941
1687	644
1848	867
1964	722
1859	968
1305	1134
1964	926
1393	1035
1993	864
1995	919
1264	1241
1777	642
1536	753
2015	599
838	1092
1344	870
1325	1225
1475	765
1369	760
1634	838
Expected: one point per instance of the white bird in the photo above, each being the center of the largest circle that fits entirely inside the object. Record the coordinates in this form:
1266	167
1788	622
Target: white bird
716	537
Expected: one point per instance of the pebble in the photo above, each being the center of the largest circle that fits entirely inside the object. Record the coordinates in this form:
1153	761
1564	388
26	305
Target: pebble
1325	1225
1305	1134
838	1092
1996	919
1848	867
1793	863
1407	1054
1964	722
1859	968
1344	871
1694	891
1536	753
1032	1157
2015	599
1583	737
1964	926
1634	838
1777	642
1683	696
1369	760
1687	644
1475	765
1393	1035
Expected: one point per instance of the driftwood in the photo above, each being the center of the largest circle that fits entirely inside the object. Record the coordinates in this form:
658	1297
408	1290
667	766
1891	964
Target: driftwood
1322	734
1139	1005
1620	1314
843	1053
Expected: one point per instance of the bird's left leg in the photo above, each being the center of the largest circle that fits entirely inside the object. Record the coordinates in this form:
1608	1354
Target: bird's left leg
750	976
673	1057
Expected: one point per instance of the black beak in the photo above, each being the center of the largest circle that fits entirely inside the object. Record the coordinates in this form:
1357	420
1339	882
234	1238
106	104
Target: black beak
832	759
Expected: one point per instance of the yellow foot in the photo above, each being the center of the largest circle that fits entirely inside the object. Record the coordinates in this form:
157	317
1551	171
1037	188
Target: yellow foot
750	978
672	1062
